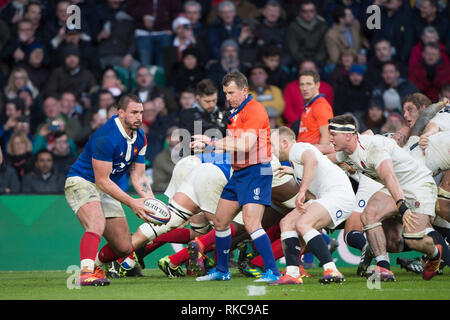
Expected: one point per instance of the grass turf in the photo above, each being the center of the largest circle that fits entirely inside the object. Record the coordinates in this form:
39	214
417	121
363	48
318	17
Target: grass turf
52	285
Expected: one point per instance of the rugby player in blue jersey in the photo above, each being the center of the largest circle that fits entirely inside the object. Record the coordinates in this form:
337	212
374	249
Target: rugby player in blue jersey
95	193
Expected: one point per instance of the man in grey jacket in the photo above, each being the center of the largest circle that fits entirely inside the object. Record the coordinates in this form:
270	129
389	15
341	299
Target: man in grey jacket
306	34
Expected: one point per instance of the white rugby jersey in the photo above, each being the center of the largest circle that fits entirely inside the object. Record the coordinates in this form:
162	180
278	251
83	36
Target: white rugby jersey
372	150
442	119
329	177
437	153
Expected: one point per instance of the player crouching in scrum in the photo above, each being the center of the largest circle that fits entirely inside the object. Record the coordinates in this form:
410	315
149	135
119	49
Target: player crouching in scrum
333	204
409	190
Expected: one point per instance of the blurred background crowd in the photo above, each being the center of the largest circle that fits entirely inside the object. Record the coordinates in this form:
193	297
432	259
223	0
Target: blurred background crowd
60	83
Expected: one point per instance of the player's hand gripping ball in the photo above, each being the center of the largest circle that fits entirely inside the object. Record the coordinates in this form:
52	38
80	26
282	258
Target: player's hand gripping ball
157	211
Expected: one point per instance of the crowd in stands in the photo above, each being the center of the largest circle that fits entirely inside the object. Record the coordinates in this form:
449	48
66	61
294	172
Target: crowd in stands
60	82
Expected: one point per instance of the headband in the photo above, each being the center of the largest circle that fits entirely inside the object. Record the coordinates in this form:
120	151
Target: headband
346	128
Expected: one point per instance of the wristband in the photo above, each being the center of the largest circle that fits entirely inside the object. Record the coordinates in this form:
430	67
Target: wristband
403	207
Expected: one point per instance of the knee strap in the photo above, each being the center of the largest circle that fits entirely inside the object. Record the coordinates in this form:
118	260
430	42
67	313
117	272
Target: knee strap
202	228
371	226
414	236
443	194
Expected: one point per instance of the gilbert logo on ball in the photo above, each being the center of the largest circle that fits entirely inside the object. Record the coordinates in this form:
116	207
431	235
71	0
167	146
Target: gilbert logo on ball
157	211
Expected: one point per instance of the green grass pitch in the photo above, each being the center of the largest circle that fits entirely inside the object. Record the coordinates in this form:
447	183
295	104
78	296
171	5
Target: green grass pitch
52	285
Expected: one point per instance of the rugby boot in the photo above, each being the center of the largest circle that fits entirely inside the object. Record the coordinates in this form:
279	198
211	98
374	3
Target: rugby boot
413	265
213	274
432	265
196	263
330	276
96	278
170	270
381	273
365	260
287	279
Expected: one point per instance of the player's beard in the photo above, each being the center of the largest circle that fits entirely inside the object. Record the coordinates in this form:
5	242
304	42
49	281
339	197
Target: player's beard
133	126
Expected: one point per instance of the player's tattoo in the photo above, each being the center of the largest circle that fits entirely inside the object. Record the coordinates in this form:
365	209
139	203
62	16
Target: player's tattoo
145	187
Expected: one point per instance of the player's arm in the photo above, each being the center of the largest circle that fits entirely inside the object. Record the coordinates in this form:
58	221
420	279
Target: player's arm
140	181
324	135
325	148
309	161
243	143
422	123
333	158
102	170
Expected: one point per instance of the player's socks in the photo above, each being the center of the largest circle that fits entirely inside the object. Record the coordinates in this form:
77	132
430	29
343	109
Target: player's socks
277	250
263	246
438	239
274	233
178	235
88	250
383	261
223	244
318	246
106	254
444	232
291	249
355	239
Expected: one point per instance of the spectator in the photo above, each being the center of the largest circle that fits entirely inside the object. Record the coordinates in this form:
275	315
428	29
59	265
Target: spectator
18	154
429	35
344	34
313	126
33	12
54	122
271	57
34	65
43	179
445	91
16	47
373	119
153	27
340	72
397	27
204	117
188	72
274	116
229	61
428	15
147	90
383	53
73	113
112	83
14	109
55	27
18	79
393	123
243	8
88	54
393	89
186	100
431	72
93	121
271	30
9	182
33	107
13	12
227	26
267	95
104	100
115	36
184	39
163	164
306	34
293	96
353	94
193	12
248	42
71	76
63	158
155	127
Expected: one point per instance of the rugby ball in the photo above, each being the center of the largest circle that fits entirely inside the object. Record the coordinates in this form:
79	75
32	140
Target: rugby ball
157	211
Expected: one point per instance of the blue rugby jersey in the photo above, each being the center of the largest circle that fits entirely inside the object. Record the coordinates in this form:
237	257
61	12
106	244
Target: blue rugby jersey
111	143
221	160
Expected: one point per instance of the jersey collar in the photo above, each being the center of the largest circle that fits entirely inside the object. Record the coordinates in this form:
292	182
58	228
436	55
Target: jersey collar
123	132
